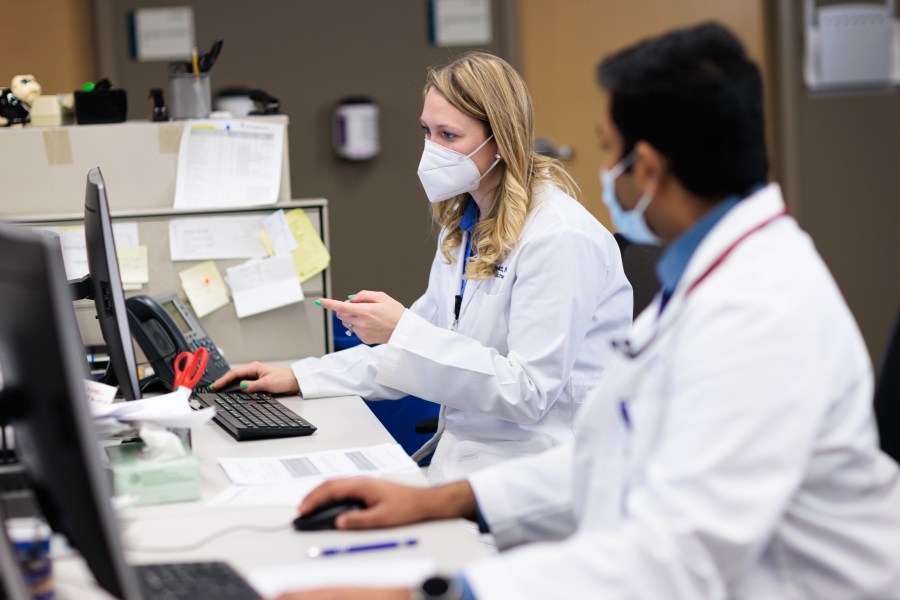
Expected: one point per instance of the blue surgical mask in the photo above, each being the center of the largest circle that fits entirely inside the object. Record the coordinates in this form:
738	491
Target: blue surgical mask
631	224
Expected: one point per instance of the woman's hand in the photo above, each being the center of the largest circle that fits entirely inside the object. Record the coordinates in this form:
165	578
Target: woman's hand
372	315
260	377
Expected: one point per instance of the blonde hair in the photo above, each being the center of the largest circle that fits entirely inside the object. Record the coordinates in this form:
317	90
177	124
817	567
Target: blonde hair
487	88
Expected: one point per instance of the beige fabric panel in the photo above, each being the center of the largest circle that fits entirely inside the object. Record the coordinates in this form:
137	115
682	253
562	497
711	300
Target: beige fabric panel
287	333
44	168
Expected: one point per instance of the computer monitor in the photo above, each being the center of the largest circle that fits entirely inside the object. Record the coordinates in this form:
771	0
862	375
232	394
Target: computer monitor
106	281
43	366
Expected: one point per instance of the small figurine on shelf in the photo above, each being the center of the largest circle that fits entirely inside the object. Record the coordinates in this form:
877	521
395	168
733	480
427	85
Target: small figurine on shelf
15	101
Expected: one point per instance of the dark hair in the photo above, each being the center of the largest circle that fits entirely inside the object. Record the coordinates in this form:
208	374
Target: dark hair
694	96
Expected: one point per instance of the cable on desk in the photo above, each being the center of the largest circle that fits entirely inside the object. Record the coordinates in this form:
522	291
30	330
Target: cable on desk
150	381
203	541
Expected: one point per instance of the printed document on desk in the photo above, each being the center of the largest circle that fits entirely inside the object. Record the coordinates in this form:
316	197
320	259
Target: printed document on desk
370	460
223	163
359	571
283	493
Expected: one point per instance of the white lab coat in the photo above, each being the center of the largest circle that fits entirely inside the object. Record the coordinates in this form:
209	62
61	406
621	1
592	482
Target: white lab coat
531	343
750	469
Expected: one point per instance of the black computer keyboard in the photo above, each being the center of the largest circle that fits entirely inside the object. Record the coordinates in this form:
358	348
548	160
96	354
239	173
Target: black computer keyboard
194	581
254	416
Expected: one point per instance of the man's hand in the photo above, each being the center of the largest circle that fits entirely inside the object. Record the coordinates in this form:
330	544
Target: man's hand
260	377
391	504
372	315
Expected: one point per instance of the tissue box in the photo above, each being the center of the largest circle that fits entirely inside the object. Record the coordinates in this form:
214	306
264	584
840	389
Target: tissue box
50	110
153	481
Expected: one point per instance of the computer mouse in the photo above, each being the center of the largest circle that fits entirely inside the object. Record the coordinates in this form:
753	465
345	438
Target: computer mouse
323	517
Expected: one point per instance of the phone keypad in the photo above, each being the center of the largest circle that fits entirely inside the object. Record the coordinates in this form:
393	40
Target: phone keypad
217	362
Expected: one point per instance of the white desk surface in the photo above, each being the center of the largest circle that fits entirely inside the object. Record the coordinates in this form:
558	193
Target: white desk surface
342	422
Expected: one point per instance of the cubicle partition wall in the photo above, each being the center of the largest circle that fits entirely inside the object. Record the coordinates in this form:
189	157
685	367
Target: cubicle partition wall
286	333
44	167
43	185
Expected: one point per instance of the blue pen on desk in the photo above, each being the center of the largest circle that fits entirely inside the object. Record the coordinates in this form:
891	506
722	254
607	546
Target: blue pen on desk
316	552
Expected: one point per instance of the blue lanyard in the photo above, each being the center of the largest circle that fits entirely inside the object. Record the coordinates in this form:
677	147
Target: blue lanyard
457	305
467	223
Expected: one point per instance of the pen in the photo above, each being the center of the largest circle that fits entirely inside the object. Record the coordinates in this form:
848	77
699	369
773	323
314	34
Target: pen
623	408
195	61
210	59
316	552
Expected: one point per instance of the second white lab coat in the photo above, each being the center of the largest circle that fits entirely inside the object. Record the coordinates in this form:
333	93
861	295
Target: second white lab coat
532	341
736	457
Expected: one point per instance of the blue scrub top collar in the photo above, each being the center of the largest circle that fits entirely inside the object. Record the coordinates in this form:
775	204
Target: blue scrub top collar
470	216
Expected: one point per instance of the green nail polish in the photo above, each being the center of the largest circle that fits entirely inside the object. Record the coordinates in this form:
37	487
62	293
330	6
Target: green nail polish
318	303
351	296
243	385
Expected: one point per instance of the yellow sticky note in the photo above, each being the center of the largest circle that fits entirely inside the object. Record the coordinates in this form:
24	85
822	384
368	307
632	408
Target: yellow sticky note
133	264
266	242
204	287
311	256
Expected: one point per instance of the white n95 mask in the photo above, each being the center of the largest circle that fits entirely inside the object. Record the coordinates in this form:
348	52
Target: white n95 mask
446	173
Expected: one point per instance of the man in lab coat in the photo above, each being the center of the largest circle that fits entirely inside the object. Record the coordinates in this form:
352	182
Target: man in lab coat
733	454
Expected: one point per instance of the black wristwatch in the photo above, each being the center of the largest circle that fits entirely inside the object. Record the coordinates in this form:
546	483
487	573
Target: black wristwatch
436	588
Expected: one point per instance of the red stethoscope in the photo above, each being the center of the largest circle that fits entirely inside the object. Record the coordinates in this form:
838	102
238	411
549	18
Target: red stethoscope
189	368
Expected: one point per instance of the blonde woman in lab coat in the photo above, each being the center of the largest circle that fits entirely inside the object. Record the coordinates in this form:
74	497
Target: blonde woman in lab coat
526	289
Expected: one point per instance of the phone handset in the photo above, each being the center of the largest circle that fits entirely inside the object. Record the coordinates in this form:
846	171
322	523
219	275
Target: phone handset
165	326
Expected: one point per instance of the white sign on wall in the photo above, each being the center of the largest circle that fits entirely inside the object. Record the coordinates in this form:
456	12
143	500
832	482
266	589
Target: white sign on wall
460	22
851	46
162	33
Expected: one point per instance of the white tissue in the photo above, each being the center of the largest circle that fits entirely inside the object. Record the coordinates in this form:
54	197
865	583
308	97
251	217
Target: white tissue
160	444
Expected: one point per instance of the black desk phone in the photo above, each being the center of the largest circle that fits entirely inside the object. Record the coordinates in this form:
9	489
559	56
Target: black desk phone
165	326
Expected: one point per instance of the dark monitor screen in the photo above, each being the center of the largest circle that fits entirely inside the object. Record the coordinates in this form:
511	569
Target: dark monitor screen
42	397
109	297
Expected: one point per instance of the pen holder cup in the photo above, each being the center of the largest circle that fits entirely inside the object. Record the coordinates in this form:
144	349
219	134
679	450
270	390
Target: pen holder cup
189	95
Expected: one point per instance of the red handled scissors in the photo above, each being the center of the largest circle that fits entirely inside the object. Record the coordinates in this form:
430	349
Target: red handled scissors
190	367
